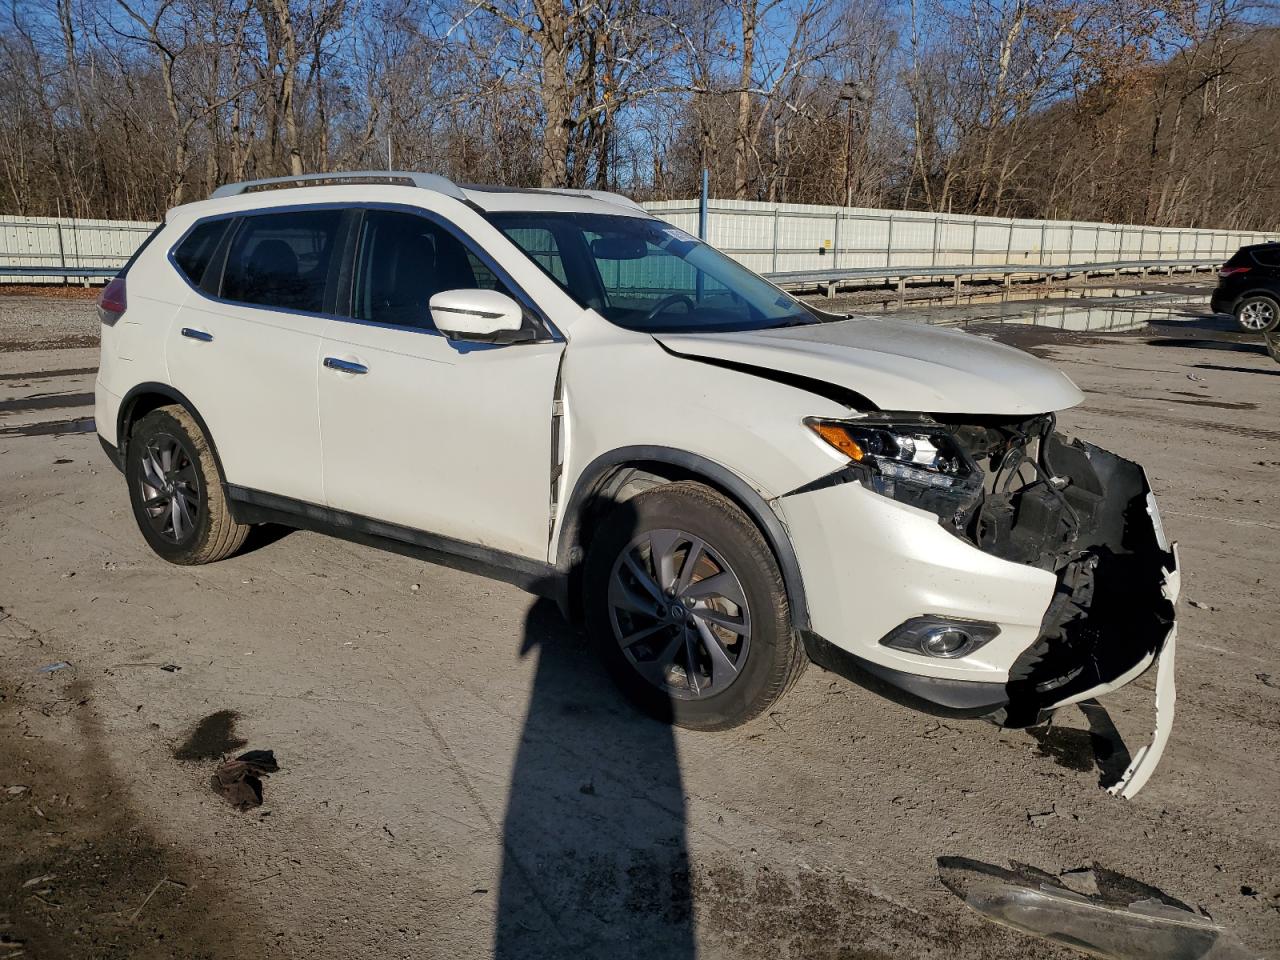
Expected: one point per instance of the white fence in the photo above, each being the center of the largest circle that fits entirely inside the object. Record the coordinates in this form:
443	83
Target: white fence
66	243
787	237
767	237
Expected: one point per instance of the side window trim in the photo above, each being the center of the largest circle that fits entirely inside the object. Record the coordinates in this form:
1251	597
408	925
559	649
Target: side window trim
545	329
347	262
211	282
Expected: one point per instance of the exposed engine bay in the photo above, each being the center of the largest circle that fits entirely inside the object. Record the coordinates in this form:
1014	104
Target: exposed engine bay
1086	515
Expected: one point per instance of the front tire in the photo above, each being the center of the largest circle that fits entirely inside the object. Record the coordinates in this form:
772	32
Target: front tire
1258	314
176	492
685	603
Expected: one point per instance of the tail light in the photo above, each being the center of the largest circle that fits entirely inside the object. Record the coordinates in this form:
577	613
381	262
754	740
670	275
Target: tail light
1232	271
111	302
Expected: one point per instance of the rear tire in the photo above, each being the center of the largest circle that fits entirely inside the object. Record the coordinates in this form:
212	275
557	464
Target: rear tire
176	491
715	581
1258	313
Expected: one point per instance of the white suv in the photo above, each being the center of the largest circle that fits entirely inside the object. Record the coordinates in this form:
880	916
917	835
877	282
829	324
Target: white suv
556	388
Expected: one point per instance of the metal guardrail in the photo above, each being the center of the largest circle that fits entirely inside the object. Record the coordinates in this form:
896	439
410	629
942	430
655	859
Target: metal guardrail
90	272
832	278
815	278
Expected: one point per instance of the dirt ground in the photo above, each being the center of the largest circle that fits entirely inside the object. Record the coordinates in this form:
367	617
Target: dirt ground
458	778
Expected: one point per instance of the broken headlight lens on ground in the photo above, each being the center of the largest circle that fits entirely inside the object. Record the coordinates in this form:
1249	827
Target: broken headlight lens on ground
917	463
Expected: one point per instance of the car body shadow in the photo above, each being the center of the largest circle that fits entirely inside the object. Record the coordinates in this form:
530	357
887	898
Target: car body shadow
594	857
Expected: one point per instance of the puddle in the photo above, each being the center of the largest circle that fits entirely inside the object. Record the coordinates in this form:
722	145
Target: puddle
51	428
54	401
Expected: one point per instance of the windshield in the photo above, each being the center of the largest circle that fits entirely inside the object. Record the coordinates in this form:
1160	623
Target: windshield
647	275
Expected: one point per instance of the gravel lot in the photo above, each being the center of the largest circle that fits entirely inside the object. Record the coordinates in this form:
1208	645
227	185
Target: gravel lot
458	778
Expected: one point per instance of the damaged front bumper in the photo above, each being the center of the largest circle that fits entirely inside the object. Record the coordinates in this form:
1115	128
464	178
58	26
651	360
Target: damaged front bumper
1082	630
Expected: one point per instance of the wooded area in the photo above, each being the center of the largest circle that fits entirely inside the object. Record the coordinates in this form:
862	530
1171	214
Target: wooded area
1157	111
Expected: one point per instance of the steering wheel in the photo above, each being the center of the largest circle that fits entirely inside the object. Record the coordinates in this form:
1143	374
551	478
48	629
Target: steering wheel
662	305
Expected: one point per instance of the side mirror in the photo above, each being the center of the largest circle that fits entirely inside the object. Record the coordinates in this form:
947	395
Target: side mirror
476	315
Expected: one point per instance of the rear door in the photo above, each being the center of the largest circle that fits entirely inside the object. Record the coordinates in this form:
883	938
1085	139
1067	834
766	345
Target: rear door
444	437
245	349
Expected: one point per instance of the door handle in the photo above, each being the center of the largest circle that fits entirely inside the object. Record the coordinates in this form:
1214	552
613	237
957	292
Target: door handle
203	336
345	366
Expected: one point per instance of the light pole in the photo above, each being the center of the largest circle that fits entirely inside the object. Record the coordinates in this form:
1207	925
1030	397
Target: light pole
851	92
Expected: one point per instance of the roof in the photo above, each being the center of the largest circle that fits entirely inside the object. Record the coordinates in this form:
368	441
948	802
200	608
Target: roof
487	198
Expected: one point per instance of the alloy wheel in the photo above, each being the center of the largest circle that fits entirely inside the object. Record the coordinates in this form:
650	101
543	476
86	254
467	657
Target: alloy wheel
1257	315
170	488
679	613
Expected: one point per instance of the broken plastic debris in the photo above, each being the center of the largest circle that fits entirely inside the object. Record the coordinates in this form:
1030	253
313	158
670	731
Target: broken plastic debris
239	781
1126	920
60	665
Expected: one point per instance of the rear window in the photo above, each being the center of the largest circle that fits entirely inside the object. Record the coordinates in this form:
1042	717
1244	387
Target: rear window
195	251
1238	258
282	259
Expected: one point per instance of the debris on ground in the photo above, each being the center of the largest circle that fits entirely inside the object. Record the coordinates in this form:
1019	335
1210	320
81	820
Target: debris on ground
1124	919
171	668
1038	819
239	781
1200	605
1192	376
54	667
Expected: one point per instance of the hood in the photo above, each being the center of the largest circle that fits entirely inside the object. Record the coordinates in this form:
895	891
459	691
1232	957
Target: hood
894	364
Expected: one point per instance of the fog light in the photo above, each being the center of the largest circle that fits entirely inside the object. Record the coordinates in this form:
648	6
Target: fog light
941	636
945	642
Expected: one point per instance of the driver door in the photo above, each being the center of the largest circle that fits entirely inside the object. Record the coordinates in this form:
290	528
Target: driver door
445	437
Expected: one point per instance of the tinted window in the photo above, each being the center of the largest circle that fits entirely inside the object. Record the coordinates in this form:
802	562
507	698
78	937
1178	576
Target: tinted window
539	244
196	249
645	275
1268	256
403	261
282	259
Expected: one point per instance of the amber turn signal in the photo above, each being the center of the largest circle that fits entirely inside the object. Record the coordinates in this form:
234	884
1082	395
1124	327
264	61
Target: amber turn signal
838	437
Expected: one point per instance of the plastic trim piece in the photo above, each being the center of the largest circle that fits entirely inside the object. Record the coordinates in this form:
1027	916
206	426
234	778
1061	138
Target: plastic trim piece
256	506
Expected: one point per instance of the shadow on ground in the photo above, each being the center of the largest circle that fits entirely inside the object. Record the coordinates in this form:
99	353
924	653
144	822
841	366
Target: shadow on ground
595	861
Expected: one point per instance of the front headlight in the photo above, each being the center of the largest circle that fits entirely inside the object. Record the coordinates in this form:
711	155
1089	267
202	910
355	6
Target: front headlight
914	462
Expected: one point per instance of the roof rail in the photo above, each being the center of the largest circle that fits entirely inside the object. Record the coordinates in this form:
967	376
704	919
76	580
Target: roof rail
603	195
427	181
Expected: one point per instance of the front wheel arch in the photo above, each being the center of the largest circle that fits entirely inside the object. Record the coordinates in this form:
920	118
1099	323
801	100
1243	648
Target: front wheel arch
594	491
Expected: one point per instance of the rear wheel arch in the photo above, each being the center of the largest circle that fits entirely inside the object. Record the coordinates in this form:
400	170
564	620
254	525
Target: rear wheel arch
614	477
144	398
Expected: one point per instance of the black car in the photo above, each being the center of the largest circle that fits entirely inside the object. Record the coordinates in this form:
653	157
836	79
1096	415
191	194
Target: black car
1249	287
